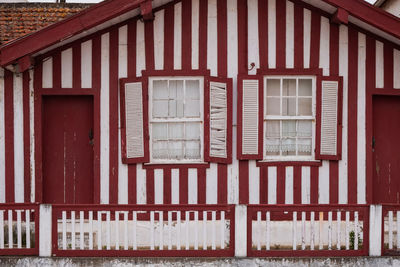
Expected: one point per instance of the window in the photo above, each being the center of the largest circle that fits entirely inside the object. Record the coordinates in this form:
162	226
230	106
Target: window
289	117
176	119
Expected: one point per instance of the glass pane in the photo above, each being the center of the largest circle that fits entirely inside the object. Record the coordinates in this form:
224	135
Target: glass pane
192	108
289	87
305	107
304	146
272	146
273	106
171	108
160	150
160	89
179	108
192	150
304	128
175	149
273	87
289	106
273	129
288	128
288	147
175	131
175	89
193	89
160	131
192	131
159	108
305	87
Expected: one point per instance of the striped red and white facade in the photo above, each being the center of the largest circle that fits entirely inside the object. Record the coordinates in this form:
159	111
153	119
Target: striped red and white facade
224	37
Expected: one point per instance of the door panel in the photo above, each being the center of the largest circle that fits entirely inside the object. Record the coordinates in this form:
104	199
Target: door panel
386	149
67	149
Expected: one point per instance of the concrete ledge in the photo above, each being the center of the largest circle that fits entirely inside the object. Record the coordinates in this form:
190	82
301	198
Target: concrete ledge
342	262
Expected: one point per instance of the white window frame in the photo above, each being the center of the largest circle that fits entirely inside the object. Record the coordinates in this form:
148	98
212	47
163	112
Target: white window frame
201	120
276	117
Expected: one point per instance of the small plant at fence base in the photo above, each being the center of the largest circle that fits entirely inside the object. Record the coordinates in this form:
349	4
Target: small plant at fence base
352	238
15	236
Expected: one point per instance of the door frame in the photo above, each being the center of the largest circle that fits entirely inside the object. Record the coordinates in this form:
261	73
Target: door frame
369	134
38	108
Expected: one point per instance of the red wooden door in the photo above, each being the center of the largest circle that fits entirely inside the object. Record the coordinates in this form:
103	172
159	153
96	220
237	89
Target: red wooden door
67	132
386	149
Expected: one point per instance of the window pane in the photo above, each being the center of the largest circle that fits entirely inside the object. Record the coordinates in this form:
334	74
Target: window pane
304	146
159	108
288	106
160	150
175	149
305	87
288	147
273	87
193	89
304	129
273	106
192	109
160	131
160	89
192	150
273	129
305	106
272	146
175	131
288	128
289	87
192	130
175	89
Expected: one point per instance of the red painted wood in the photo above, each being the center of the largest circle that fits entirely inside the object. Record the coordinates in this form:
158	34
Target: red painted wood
314	190
67	153
263	185
150	186
297	184
186	35
280	34
280	185
316	163
169	37
222	37
201	186
333	182
242	36
38	132
149	44
298	36
9	135
388	65
243	182
263	33
167	186
386	163
183	186
132	184
315	39
76	69
203	16
222	197
57	70
352	117
27	141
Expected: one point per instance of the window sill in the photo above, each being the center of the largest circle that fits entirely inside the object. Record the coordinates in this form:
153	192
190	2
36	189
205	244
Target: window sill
175	165
265	163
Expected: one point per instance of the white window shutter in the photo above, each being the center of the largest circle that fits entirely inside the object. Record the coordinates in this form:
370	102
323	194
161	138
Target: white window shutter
218	119
250	116
134	120
329	118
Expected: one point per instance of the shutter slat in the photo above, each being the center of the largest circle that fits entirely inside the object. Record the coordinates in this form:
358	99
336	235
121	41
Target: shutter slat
250	116
218	119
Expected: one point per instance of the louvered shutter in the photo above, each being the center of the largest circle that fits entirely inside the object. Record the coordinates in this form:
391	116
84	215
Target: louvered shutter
329	118
250	121
218	123
134	128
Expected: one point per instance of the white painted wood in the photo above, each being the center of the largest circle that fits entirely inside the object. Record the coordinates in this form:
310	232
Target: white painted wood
347	230
126	236
187	237
338	230
134	225
158	186
232	46
250	113
258	230
90	230
305	184
323	183
116	230
222	230
375	230
379	64
18	140
108	230
294	231
356	230
289	34
398	229
81	233
212	38
47	73
343	71
152	230
161	230
361	127
159	40
45	228
178	230
213	230
289	185
140	184
271	34
329	117
321	232
324	46
390	225
240	235
27	229
104	120
174	186
312	221
170	230
140	49
396	68
178	36
272	185
19	232
196	231
86	64
195	33
233	173
307	38
204	230
303	230
252	35
2	141
66	68
99	230
254	183
218	119
329	230
192	186
72	230
64	230
211	184
268	225
31	138
1	229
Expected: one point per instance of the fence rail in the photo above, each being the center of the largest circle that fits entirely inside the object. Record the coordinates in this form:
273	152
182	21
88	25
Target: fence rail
390	229
19	229
148	230
311	230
